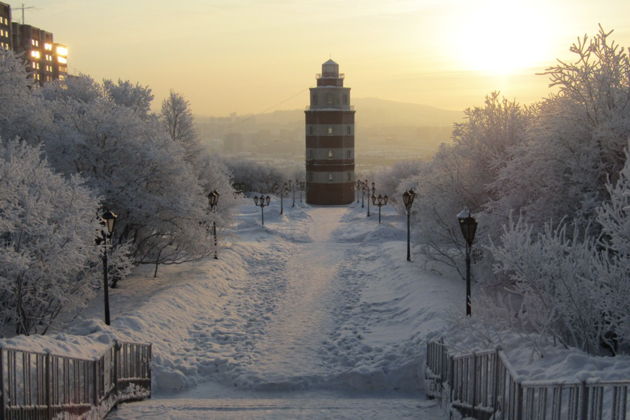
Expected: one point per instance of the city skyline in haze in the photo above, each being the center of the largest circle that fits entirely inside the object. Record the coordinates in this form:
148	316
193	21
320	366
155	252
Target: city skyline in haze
248	56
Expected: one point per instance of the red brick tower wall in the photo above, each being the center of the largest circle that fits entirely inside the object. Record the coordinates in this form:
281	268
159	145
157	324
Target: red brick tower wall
330	140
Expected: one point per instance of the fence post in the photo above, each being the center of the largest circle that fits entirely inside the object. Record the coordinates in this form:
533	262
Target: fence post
116	349
519	400
583	401
497	365
474	381
2	387
47	387
148	362
95	382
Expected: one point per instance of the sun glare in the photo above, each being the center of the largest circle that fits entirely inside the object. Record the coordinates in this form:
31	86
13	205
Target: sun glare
502	37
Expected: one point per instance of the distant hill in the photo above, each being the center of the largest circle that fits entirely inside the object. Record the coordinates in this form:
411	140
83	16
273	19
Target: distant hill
403	130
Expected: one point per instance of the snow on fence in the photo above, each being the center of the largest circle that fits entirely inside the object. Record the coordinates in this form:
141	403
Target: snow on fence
37	385
485	386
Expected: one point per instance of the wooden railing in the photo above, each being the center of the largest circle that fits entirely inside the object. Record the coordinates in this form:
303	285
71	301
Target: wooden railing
484	385
44	386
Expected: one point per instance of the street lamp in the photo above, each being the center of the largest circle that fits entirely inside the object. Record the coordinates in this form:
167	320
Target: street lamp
109	220
284	189
262	202
468	224
408	197
213	200
362	187
379	201
366	190
293	187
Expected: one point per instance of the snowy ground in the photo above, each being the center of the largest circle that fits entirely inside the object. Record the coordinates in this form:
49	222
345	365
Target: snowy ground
315	315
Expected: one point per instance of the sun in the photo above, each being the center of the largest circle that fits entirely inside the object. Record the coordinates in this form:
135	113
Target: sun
502	37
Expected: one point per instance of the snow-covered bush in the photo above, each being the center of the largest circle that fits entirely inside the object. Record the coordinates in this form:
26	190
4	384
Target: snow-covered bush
47	231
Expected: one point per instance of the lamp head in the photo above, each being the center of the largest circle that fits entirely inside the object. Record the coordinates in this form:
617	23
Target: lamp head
110	220
468	225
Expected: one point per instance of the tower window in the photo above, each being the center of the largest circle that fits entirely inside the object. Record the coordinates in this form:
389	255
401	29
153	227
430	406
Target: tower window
330	154
349	176
314	99
348	130
330	130
330	177
345	99
348	154
310	130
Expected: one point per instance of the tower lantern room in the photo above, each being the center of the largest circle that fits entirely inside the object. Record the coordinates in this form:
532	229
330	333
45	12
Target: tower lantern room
330	140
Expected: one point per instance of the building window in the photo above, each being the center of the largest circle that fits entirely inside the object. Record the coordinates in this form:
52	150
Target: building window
330	177
329	99
310	155
348	154
310	130
349	176
348	130
330	154
330	130
47	46
314	99
345	99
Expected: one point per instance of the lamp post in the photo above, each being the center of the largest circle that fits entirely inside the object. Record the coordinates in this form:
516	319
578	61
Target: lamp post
362	186
293	187
213	200
302	185
468	225
358	189
109	220
366	190
408	197
379	201
262	202
283	190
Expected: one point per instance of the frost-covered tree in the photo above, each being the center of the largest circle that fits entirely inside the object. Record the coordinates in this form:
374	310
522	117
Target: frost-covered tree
178	120
47	230
576	141
124	93
131	161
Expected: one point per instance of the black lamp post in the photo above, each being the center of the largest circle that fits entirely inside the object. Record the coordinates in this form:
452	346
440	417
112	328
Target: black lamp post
408	197
366	190
283	190
109	219
213	200
379	201
468	224
293	187
262	202
302	186
362	187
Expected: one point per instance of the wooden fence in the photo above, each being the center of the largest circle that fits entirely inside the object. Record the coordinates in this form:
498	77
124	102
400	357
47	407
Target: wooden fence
484	385
44	386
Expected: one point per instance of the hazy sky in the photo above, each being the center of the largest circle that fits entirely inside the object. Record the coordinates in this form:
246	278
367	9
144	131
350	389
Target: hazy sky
250	56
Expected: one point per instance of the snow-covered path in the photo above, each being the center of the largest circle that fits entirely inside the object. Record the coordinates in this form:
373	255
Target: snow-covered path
303	321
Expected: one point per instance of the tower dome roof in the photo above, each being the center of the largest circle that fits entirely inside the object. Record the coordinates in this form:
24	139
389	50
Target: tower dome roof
330	61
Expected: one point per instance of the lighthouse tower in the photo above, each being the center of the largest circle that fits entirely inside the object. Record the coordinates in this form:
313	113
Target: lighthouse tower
330	140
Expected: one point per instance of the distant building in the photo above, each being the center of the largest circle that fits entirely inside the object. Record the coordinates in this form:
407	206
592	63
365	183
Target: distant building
5	26
45	60
330	140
